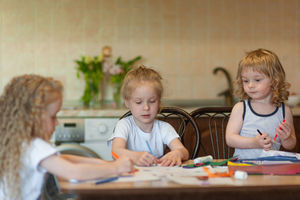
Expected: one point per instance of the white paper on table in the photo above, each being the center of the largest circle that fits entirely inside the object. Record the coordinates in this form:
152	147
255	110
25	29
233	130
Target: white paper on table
221	181
157	172
186	180
279	153
180	175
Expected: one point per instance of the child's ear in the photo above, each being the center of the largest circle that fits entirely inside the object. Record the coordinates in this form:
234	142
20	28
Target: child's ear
126	101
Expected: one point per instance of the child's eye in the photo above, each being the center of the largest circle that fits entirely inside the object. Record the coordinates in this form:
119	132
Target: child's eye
138	102
245	81
152	101
257	80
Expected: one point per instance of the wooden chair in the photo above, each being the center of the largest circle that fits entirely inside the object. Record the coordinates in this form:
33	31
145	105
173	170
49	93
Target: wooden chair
212	122
184	125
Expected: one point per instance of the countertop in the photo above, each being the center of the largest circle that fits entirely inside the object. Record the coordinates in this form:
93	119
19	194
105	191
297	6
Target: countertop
76	110
109	111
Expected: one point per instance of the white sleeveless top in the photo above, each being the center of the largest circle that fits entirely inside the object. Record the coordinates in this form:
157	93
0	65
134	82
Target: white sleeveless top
266	123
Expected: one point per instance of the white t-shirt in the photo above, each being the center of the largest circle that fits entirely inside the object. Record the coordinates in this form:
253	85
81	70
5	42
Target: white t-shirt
161	135
32	174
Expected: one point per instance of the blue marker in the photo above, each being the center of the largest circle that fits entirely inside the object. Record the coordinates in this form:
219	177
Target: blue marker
107	180
148	145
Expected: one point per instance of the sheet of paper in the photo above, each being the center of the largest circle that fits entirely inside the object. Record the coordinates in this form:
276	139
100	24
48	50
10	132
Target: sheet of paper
279	153
158	172
186	180
186	176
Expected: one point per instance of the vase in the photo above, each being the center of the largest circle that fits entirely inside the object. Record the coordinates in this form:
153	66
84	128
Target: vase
95	101
118	100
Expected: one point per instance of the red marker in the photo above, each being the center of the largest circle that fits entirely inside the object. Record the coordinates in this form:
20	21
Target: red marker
280	129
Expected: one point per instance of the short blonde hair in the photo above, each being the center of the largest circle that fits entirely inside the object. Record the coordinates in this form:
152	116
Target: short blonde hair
141	74
268	63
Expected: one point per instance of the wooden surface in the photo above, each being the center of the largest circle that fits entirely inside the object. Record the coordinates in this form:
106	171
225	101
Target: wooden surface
255	187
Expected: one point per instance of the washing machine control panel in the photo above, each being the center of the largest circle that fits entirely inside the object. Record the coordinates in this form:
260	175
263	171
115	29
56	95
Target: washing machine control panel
99	128
71	130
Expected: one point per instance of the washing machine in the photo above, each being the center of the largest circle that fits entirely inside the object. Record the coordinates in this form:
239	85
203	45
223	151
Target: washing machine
85	136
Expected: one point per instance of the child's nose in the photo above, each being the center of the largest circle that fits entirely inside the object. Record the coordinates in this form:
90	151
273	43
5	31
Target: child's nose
251	84
146	106
56	122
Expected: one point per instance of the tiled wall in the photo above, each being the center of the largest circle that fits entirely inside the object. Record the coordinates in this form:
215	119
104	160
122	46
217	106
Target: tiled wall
183	39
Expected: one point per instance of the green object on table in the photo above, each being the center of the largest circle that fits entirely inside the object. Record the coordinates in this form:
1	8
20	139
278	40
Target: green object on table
223	162
216	163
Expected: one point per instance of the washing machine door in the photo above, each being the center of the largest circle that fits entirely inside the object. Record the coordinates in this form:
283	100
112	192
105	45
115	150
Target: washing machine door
76	149
51	188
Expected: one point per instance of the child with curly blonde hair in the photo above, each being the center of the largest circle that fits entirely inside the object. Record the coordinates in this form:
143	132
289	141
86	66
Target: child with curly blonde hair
141	136
28	109
261	116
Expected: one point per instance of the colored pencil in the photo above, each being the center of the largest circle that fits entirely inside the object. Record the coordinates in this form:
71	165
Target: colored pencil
107	180
276	133
148	145
115	155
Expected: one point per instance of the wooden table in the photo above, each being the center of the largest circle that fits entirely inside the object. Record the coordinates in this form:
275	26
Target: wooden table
255	187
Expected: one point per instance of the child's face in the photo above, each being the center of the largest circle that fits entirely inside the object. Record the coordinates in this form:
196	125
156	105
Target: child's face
256	84
49	117
144	103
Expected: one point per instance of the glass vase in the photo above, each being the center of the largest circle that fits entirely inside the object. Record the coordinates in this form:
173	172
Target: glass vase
117	97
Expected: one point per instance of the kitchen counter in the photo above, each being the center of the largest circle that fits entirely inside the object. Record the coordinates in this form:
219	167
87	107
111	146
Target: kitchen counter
98	113
296	111
76	110
118	112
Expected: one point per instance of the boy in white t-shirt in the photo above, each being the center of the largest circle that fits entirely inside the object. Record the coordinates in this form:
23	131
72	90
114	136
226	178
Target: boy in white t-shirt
141	136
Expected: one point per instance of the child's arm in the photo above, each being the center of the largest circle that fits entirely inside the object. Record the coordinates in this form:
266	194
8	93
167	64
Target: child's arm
139	158
234	126
286	132
176	155
81	159
84	170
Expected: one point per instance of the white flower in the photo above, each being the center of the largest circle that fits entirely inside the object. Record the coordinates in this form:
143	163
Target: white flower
106	67
116	69
88	59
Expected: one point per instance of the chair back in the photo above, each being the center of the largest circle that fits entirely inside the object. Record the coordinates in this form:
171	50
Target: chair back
212	122
184	125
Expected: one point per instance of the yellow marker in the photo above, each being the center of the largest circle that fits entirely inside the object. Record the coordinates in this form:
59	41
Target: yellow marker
229	163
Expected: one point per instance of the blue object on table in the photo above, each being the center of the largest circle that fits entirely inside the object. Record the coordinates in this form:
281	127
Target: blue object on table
275	158
107	180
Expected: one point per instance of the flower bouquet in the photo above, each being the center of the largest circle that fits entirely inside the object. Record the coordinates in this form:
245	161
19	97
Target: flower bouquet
91	70
117	73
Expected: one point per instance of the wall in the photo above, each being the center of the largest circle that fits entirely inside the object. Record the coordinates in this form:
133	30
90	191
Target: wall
182	39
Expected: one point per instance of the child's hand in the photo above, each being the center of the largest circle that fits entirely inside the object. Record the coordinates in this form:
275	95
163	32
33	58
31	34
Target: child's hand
146	159
264	141
124	164
284	130
172	158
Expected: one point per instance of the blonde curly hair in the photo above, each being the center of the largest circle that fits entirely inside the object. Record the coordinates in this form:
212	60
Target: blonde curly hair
21	107
268	63
141	74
